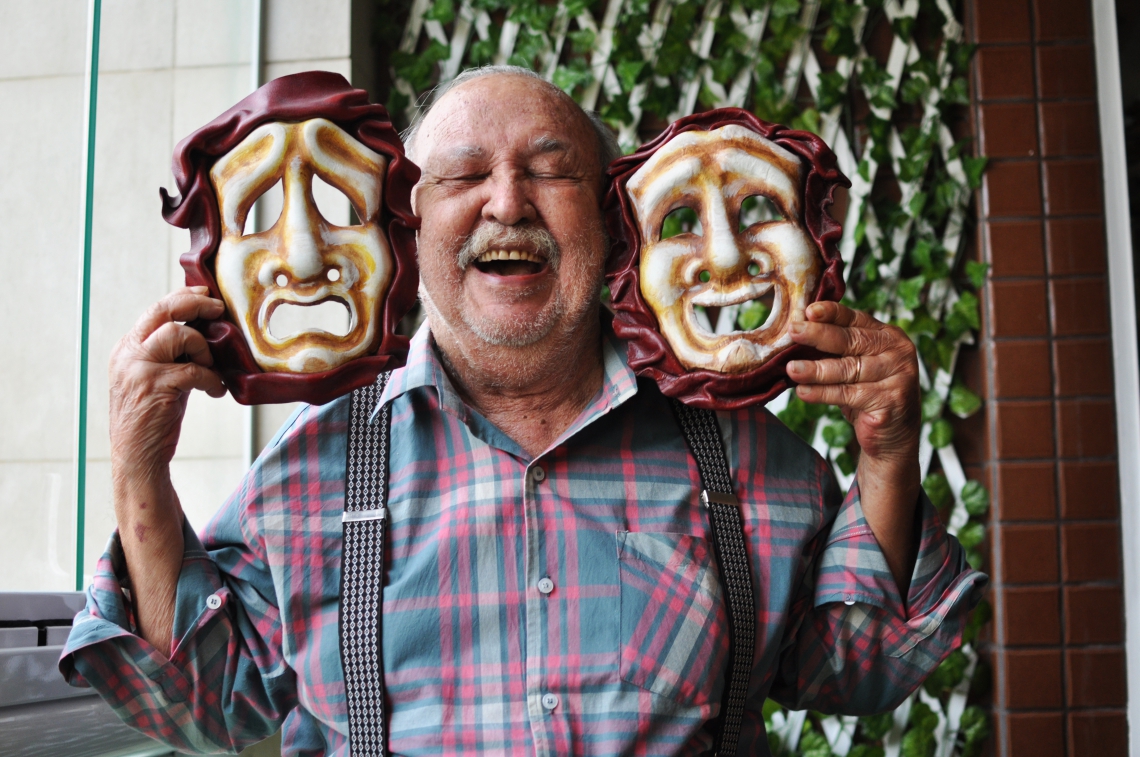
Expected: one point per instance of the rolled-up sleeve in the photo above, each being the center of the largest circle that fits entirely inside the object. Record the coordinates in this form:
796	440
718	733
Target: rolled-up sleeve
224	686
861	648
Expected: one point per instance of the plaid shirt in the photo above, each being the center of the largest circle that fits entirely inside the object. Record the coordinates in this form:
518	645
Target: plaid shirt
625	654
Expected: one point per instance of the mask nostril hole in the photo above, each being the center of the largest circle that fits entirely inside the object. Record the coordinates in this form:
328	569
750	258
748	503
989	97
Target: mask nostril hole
754	269
282	280
334	274
705	276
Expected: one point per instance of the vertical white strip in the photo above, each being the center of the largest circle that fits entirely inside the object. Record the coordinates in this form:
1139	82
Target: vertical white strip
249	421
1126	360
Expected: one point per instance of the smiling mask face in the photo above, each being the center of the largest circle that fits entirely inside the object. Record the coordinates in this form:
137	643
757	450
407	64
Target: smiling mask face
725	263
303	260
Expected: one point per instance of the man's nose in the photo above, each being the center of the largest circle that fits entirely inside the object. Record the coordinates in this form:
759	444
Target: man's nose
722	248
508	201
302	259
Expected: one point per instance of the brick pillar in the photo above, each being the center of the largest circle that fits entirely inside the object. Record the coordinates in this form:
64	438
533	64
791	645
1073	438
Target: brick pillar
1049	444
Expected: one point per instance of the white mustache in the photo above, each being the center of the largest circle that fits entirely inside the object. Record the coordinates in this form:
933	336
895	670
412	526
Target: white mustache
498	237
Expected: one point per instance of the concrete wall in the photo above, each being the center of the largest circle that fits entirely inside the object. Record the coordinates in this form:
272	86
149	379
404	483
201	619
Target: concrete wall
166	68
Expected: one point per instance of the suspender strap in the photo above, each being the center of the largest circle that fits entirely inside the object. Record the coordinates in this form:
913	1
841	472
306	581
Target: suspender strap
362	575
703	435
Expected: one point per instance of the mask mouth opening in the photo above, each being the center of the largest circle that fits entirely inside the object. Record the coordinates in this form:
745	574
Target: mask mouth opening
737	315
511	263
291	320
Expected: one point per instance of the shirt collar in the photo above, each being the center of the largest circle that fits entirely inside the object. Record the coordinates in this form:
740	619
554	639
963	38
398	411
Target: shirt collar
424	369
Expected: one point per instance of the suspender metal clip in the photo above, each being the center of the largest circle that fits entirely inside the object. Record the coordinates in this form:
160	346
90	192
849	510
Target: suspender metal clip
709	498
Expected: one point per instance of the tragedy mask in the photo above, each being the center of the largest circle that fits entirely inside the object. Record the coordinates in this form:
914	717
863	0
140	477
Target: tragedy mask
297	132
757	247
302	260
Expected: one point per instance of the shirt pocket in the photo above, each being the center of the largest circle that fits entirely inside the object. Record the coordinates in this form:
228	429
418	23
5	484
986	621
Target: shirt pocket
674	630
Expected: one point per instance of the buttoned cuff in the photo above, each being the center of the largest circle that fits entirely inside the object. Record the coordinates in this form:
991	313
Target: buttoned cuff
104	643
853	569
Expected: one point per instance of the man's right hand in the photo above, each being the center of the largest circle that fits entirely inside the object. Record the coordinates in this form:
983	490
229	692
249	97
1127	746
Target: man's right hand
153	370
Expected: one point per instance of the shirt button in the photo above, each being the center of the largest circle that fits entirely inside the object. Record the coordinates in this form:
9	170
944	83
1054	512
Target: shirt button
545	585
550	701
849	600
538	473
213	601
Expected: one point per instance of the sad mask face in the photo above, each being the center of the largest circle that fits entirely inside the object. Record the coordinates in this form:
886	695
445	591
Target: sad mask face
302	260
771	266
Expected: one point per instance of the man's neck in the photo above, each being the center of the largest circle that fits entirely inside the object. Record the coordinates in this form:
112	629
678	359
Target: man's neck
531	393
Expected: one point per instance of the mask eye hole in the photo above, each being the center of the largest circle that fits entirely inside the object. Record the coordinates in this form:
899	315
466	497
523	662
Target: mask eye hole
704	276
681	221
333	204
265	211
753	269
758	209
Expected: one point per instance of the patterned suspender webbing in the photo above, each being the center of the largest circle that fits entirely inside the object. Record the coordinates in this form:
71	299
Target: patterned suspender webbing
703	435
362	574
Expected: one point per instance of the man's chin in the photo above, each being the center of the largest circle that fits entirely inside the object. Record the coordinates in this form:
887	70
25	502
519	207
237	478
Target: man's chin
514	330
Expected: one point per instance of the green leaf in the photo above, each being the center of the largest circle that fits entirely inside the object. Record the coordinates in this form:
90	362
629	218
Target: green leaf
785	8
975	559
865	169
963	403
974	168
977	273
931	406
975	499
801	417
627	73
903	26
916	204
846	463
752	315
483	52
568	78
771	707
875	727
442	11
971	535
956	93
948	674
941	433
808	120
838	434
937	490
914	89
832	88
974	725
910	291
840	40
922	718
582	41
967	307
616	112
866	750
814	744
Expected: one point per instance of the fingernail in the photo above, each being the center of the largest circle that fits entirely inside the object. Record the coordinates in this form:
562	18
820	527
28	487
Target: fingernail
795	366
797	327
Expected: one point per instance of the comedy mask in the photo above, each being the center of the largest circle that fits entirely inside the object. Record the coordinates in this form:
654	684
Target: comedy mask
757	248
299	131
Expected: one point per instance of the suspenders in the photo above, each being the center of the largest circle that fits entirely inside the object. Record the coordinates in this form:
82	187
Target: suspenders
362	575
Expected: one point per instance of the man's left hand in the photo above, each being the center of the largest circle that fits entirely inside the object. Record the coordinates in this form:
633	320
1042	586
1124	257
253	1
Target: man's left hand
874	380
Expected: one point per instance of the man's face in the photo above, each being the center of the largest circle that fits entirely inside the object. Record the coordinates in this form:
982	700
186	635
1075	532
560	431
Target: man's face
303	260
512	247
729	263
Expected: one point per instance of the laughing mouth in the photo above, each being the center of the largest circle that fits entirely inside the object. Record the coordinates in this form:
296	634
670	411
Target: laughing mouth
754	303
510	263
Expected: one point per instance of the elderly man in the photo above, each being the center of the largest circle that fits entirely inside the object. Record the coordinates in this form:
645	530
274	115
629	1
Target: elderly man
550	586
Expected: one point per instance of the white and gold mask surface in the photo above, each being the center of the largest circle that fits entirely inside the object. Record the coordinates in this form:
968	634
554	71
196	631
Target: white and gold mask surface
302	260
727	263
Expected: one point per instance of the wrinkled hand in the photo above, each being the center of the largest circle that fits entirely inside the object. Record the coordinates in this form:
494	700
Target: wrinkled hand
150	386
874	379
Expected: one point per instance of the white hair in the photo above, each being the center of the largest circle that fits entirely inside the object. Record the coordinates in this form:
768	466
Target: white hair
608	149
